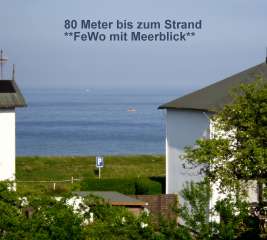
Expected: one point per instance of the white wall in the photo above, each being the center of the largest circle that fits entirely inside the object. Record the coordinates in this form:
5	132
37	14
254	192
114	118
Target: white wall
251	186
7	144
183	127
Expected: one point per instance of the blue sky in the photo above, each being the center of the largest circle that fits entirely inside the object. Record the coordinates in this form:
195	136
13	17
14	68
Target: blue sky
233	38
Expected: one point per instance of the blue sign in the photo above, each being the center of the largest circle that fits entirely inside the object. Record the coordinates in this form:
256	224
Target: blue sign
99	161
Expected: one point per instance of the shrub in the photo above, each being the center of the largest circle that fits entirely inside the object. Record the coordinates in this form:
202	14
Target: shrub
161	180
125	186
141	186
37	217
59	189
146	186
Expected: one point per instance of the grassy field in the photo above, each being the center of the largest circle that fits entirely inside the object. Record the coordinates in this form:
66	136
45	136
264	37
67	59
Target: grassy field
64	168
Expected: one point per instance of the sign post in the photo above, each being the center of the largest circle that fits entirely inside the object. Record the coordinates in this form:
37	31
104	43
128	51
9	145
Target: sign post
99	164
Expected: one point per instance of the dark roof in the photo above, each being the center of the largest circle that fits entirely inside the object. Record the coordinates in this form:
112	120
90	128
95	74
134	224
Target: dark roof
114	198
215	96
10	95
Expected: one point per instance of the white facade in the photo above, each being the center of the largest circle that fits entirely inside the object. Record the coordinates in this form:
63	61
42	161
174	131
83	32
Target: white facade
183	128
7	144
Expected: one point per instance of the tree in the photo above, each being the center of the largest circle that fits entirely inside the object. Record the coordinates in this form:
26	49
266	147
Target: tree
238	150
235	154
235	223
194	212
47	218
117	222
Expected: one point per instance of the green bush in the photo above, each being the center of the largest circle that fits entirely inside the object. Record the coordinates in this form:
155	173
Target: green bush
125	186
146	186
142	186
161	180
59	189
37	217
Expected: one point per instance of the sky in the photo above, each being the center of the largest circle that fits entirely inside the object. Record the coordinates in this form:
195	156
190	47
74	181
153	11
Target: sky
233	37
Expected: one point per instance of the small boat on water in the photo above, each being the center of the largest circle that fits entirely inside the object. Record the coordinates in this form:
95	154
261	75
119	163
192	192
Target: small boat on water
131	109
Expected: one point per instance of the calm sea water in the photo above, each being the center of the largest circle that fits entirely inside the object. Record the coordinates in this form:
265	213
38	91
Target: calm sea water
83	122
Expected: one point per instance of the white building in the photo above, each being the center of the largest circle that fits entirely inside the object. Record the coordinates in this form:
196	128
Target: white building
187	119
10	98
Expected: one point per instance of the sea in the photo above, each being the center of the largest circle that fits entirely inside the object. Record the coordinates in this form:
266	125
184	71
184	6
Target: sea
91	122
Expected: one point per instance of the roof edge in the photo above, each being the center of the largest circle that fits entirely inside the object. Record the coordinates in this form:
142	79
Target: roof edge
163	107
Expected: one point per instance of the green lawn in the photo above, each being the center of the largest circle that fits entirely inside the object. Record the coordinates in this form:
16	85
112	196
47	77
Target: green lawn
63	168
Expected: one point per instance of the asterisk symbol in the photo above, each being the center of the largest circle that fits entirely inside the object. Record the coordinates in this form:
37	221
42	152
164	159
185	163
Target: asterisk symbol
66	34
188	34
70	33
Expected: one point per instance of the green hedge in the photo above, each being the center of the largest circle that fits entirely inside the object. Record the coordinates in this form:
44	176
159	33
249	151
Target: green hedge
126	186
